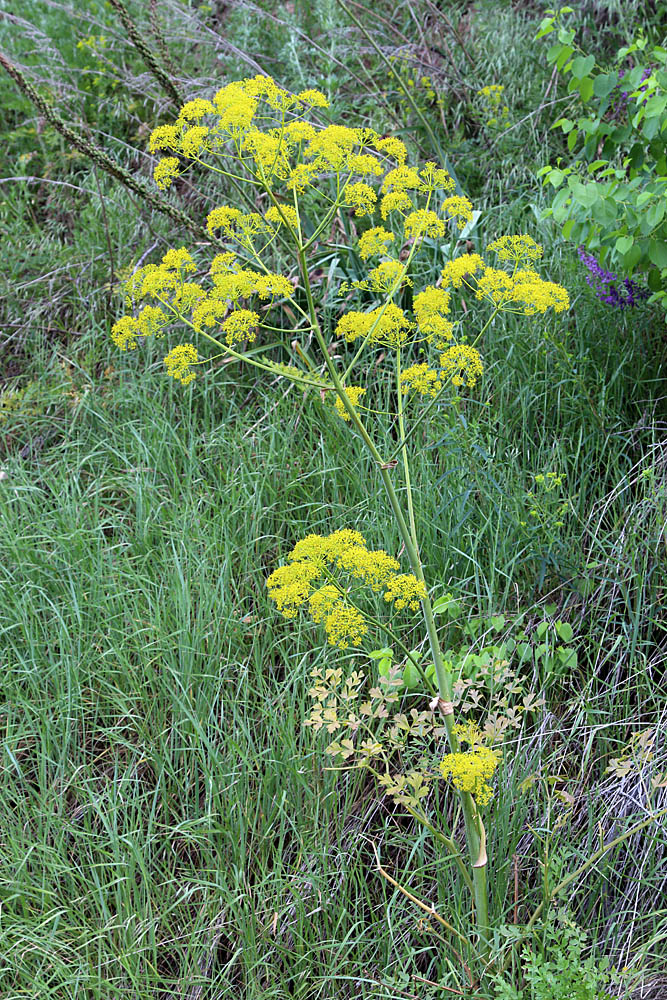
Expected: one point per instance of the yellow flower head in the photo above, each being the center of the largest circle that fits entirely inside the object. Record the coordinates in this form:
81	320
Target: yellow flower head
302	176
165	172
222	263
516	248
472	772
406	591
422	379
164	137
401	179
208	312
395	201
374	241
391	147
495	285
179	360
332	146
270	286
423	222
180	260
354	394
151	321
299	131
187	295
240	326
456	270
285	215
459	209
193	140
386	277
234	223
364	164
431	308
313	98
361	197
387	325
124	333
230	286
270	153
434	178
536	296
343	624
462	364
235	109
296	584
194	111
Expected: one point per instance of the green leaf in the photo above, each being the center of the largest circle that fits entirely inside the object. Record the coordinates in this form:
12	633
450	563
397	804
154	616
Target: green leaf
586	88
411	676
378	654
655	282
623	244
632	257
565	631
546	26
554	51
568	657
604	83
446	605
524	651
565	53
582	66
657	251
498	622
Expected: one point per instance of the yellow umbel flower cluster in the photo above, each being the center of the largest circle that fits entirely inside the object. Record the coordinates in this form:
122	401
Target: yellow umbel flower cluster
492	98
354	394
165	171
374	241
218	309
321	571
387	325
387	277
178	362
454	272
521	291
462	364
255	132
472	771
517	248
361	197
422	379
459	209
431	308
424	222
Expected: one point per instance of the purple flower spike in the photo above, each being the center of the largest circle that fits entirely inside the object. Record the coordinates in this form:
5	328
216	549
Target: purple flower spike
606	284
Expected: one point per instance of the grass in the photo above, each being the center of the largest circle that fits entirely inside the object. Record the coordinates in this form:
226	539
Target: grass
170	829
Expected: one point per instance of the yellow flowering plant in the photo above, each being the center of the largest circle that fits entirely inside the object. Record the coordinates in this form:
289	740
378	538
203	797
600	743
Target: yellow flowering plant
296	179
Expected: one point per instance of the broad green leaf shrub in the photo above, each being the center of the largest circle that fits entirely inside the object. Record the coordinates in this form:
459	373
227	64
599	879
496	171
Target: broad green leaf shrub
611	195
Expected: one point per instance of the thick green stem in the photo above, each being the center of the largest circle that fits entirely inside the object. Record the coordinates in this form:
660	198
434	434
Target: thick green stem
472	824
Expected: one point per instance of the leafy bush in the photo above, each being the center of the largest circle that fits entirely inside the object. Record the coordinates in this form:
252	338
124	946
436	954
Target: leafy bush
611	196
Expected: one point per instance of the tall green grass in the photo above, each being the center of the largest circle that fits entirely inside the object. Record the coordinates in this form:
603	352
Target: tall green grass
168	826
